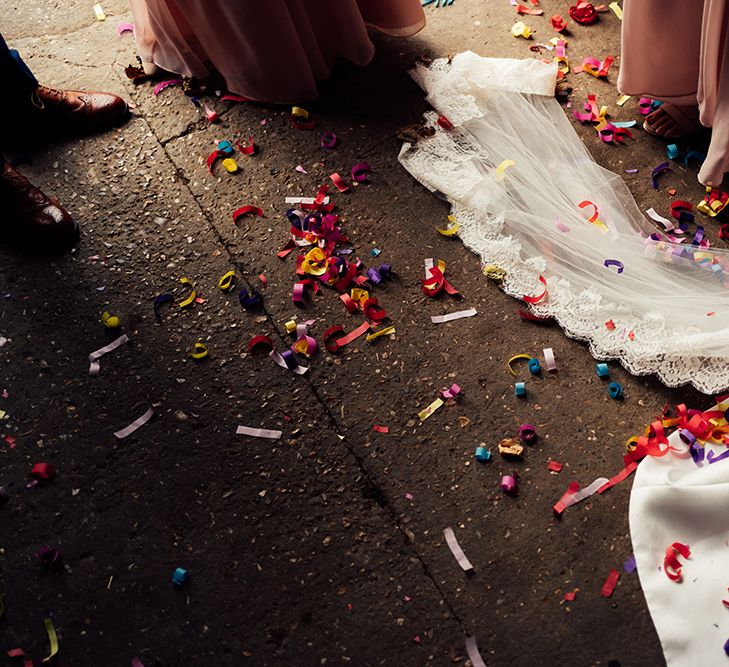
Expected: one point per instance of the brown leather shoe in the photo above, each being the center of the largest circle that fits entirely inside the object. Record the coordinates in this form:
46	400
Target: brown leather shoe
28	215
76	111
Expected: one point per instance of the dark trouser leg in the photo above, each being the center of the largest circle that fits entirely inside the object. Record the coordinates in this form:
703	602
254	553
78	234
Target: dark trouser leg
15	74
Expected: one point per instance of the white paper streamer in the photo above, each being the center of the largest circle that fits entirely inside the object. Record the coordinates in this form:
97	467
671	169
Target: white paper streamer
473	653
584	493
667	224
258	432
135	425
304	200
439	319
94	366
456	550
299	370
549	361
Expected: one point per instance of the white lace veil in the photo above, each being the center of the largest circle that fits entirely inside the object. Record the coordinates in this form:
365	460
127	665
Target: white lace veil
667	312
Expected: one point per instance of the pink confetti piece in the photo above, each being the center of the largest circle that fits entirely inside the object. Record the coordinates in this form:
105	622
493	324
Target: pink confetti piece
166	84
124	27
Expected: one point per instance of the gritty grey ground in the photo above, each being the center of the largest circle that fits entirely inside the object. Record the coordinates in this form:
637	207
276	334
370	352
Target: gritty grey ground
303	551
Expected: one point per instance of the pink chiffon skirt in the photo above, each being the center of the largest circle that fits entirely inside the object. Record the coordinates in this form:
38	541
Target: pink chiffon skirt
677	51
268	50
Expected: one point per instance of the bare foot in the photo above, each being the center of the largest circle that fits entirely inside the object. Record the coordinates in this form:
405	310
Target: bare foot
673	121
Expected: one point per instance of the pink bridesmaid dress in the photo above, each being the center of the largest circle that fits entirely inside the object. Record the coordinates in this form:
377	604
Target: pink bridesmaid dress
268	50
677	51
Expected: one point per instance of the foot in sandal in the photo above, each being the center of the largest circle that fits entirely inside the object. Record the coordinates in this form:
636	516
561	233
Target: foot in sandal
673	121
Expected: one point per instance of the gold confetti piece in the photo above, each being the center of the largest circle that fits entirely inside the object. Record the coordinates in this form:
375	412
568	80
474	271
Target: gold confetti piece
100	16
290	326
52	638
193	294
514	358
424	414
452	229
382	332
298	112
617	9
622	100
511	447
494	272
110	321
227	281
199	351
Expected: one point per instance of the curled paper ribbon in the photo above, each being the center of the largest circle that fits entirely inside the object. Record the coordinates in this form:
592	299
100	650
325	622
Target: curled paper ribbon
583	12
52	639
451	229
528	434
338	182
657	171
508	484
159	301
594	217
671	565
236	98
335	345
250	301
124	27
575	495
500	171
227	281
328	140
558	23
616	263
451	392
456	550
248	149
359	172
299	119
520	29
521	9
244	210
231	166
162	85
94	366
386	331
199	351
140	421
514	358
436	282
193	294
259	432
596	67
539	297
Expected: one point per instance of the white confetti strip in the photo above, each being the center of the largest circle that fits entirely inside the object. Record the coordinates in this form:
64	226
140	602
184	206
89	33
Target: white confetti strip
456	550
439	319
258	432
94	357
141	421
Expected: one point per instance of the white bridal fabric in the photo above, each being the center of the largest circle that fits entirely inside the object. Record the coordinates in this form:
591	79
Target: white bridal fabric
673	500
671	313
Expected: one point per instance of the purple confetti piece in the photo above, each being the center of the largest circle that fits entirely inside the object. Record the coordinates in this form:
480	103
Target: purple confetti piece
630	565
660	169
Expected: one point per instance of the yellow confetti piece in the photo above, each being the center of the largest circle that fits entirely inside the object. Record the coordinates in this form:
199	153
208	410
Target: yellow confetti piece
227	281
98	10
501	169
193	294
298	112
315	262
617	9
494	272
230	165
622	100
382	332
359	295
110	321
514	358
520	29
199	351
3	414
290	326
452	229
632	443
52	638
424	414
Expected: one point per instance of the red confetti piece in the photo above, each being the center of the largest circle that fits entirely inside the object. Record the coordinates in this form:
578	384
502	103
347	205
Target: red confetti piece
539	297
339	182
558	23
244	210
43	471
569	596
609	586
583	12
10	440
211	115
263	279
623	474
359	172
724	232
671	565
380	429
250	149
554	466
521	9
335	345
235	98
444	123
212	157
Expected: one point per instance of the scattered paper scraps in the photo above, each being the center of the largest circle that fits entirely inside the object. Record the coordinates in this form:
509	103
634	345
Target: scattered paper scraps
140	421
440	319
259	432
457	551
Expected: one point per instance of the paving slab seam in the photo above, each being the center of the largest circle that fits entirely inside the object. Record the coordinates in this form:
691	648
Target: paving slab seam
367	474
